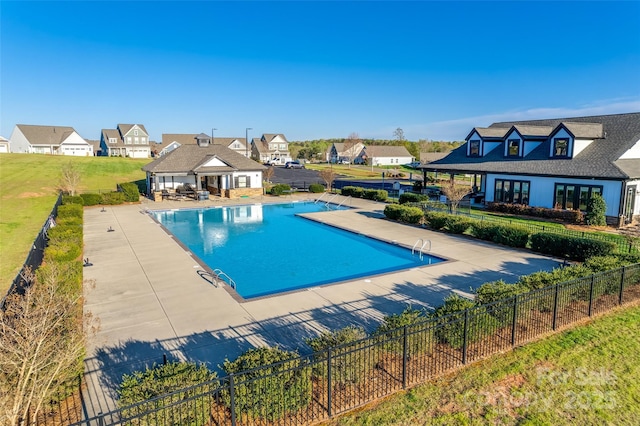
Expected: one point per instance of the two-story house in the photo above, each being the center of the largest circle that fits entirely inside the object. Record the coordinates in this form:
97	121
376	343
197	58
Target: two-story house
55	140
555	163
272	148
127	140
171	141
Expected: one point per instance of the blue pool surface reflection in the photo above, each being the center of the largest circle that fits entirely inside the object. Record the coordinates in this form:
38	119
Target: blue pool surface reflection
267	249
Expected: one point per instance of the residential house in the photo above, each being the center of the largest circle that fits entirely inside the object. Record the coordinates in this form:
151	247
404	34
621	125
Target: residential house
55	140
4	145
96	146
272	148
171	141
555	163
383	155
206	167
127	140
344	152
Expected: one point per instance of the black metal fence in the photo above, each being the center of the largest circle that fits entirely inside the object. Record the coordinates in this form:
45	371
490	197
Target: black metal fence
35	256
324	384
622	244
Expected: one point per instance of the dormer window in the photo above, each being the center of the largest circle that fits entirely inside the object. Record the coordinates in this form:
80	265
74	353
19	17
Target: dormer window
474	148
513	148
561	147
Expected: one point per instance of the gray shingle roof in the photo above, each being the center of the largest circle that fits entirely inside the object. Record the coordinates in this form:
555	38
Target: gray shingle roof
387	151
188	158
124	128
181	138
45	135
598	160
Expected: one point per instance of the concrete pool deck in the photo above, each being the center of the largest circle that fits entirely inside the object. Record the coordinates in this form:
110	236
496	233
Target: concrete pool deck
151	298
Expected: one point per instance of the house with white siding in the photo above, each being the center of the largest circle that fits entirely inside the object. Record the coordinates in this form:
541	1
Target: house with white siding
383	155
555	163
126	140
54	140
271	148
206	167
4	145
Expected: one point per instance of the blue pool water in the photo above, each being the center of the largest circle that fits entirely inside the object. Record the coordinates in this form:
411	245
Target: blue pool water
267	249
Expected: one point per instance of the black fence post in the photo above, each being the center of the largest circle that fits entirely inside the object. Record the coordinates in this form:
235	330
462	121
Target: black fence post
329	382
624	268
515	320
232	397
555	307
593	279
465	335
404	357
100	419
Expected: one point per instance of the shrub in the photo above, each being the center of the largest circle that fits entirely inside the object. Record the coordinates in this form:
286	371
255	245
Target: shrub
450	321
279	189
513	236
458	224
410	197
419	332
543	279
189	406
112	198
350	355
411	215
72	199
269	383
499	294
91	199
570	216
354	191
131	192
604	263
316	188
62	251
375	194
393	211
70	210
437	220
596	209
65	233
571	247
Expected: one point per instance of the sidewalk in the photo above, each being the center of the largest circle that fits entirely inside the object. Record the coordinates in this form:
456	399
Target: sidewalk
151	302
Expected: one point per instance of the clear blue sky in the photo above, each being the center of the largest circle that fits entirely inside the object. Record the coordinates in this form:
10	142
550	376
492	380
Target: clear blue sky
314	69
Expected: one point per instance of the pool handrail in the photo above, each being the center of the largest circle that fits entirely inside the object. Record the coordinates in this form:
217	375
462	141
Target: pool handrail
424	243
220	274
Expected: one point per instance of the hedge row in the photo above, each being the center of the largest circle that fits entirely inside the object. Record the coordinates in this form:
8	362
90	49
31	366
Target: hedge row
569	216
574	248
107	198
279	189
369	194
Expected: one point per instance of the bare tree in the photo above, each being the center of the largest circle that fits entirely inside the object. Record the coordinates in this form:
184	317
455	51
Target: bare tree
268	174
350	145
41	341
69	178
454	192
398	134
328	176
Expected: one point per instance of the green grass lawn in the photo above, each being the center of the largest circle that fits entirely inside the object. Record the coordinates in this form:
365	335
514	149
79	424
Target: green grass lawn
28	191
584	376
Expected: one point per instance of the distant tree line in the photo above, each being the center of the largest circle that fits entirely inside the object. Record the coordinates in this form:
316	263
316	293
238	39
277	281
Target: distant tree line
316	149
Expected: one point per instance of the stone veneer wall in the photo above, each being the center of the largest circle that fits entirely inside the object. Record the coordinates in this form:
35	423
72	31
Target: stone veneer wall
243	192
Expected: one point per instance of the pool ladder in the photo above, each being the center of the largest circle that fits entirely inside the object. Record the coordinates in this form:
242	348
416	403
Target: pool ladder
421	250
221	275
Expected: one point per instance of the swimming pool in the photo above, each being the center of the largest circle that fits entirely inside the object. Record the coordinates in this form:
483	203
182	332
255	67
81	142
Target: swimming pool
268	249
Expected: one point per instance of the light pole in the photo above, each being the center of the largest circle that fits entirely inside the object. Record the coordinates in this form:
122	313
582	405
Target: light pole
246	139
213	140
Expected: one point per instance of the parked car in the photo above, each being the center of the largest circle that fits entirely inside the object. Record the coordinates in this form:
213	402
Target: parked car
294	165
414	164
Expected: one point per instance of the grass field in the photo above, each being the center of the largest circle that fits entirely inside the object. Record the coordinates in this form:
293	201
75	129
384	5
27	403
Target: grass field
586	376
28	191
